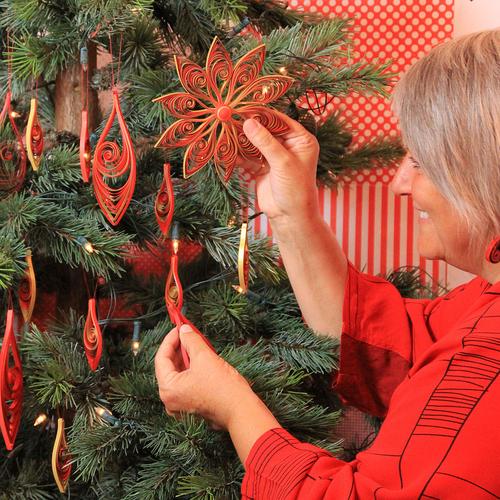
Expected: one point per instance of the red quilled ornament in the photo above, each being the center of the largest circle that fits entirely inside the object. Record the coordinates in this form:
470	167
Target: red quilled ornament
61	458
92	336
215	104
11	384
174	299
114	170
85	147
34	136
27	289
164	203
12	154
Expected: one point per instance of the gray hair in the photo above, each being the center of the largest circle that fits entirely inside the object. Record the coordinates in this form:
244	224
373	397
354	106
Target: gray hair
448	104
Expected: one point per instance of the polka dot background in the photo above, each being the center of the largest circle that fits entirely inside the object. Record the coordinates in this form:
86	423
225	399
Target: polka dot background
399	30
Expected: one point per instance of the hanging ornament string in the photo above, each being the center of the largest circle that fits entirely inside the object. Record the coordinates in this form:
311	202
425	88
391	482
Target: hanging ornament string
114	170
85	155
12	154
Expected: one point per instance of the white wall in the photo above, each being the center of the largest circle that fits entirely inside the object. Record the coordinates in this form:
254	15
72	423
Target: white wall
475	15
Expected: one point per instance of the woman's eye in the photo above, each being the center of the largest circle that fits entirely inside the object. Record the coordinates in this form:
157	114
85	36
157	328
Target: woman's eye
414	162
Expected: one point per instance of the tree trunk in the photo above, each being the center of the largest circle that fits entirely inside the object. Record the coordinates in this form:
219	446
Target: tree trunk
68	97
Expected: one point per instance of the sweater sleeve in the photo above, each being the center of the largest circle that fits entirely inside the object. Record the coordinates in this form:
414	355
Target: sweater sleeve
380	332
281	467
384	334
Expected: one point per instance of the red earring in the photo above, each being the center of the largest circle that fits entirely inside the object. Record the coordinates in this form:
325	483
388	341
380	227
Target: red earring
493	251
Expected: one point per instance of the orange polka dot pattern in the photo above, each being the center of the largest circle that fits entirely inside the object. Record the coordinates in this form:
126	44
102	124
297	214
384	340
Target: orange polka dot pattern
399	30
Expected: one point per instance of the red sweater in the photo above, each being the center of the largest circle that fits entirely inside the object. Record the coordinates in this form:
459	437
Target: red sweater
429	367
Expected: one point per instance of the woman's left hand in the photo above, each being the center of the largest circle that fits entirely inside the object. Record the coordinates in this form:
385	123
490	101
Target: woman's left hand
210	387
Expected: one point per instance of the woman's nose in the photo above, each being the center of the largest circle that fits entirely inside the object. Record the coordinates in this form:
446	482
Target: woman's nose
402	180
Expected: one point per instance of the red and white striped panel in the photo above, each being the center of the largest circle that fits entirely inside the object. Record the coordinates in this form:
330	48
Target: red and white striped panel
376	229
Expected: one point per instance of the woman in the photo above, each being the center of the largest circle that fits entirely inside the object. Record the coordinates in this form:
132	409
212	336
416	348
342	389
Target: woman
429	367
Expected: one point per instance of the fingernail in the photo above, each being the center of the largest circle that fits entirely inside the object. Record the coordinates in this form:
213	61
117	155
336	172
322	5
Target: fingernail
185	328
251	126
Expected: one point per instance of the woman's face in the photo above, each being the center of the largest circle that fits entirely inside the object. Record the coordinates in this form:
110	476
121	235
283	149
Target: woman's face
442	233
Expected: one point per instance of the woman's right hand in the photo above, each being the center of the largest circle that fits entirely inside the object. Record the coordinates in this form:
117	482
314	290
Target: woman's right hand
286	182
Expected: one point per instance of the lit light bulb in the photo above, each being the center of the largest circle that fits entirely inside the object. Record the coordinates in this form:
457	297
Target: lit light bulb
41	419
283	70
265	90
86	244
107	416
86	156
136	345
175	245
238	288
14	114
136	342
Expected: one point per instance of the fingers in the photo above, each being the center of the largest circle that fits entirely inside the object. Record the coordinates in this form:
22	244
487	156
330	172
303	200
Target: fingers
166	357
263	140
191	341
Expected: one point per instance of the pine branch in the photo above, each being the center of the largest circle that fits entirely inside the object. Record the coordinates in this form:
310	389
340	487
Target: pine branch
12	264
301	349
94	448
57	368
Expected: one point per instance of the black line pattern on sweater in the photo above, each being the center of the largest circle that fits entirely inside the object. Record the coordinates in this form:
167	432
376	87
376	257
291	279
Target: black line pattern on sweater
467	378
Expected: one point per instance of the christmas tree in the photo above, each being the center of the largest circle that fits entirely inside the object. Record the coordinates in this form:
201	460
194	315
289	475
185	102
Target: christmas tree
120	442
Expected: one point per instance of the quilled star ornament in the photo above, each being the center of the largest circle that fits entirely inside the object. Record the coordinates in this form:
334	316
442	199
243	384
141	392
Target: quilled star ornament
12	154
61	458
34	136
92	336
11	384
215	104
27	289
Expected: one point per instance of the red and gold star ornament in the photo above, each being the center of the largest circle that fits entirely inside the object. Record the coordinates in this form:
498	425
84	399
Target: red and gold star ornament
216	102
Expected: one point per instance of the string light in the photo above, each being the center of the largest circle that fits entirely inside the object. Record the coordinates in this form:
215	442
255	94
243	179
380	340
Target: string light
14	114
136	343
283	70
175	236
40	420
265	90
107	416
86	244
84	58
252	296
86	155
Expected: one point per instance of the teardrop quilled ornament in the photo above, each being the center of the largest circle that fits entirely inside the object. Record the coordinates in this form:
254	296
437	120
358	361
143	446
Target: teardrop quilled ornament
34	136
11	384
92	336
114	170
61	458
164	203
12	154
243	259
27	289
174	300
85	147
